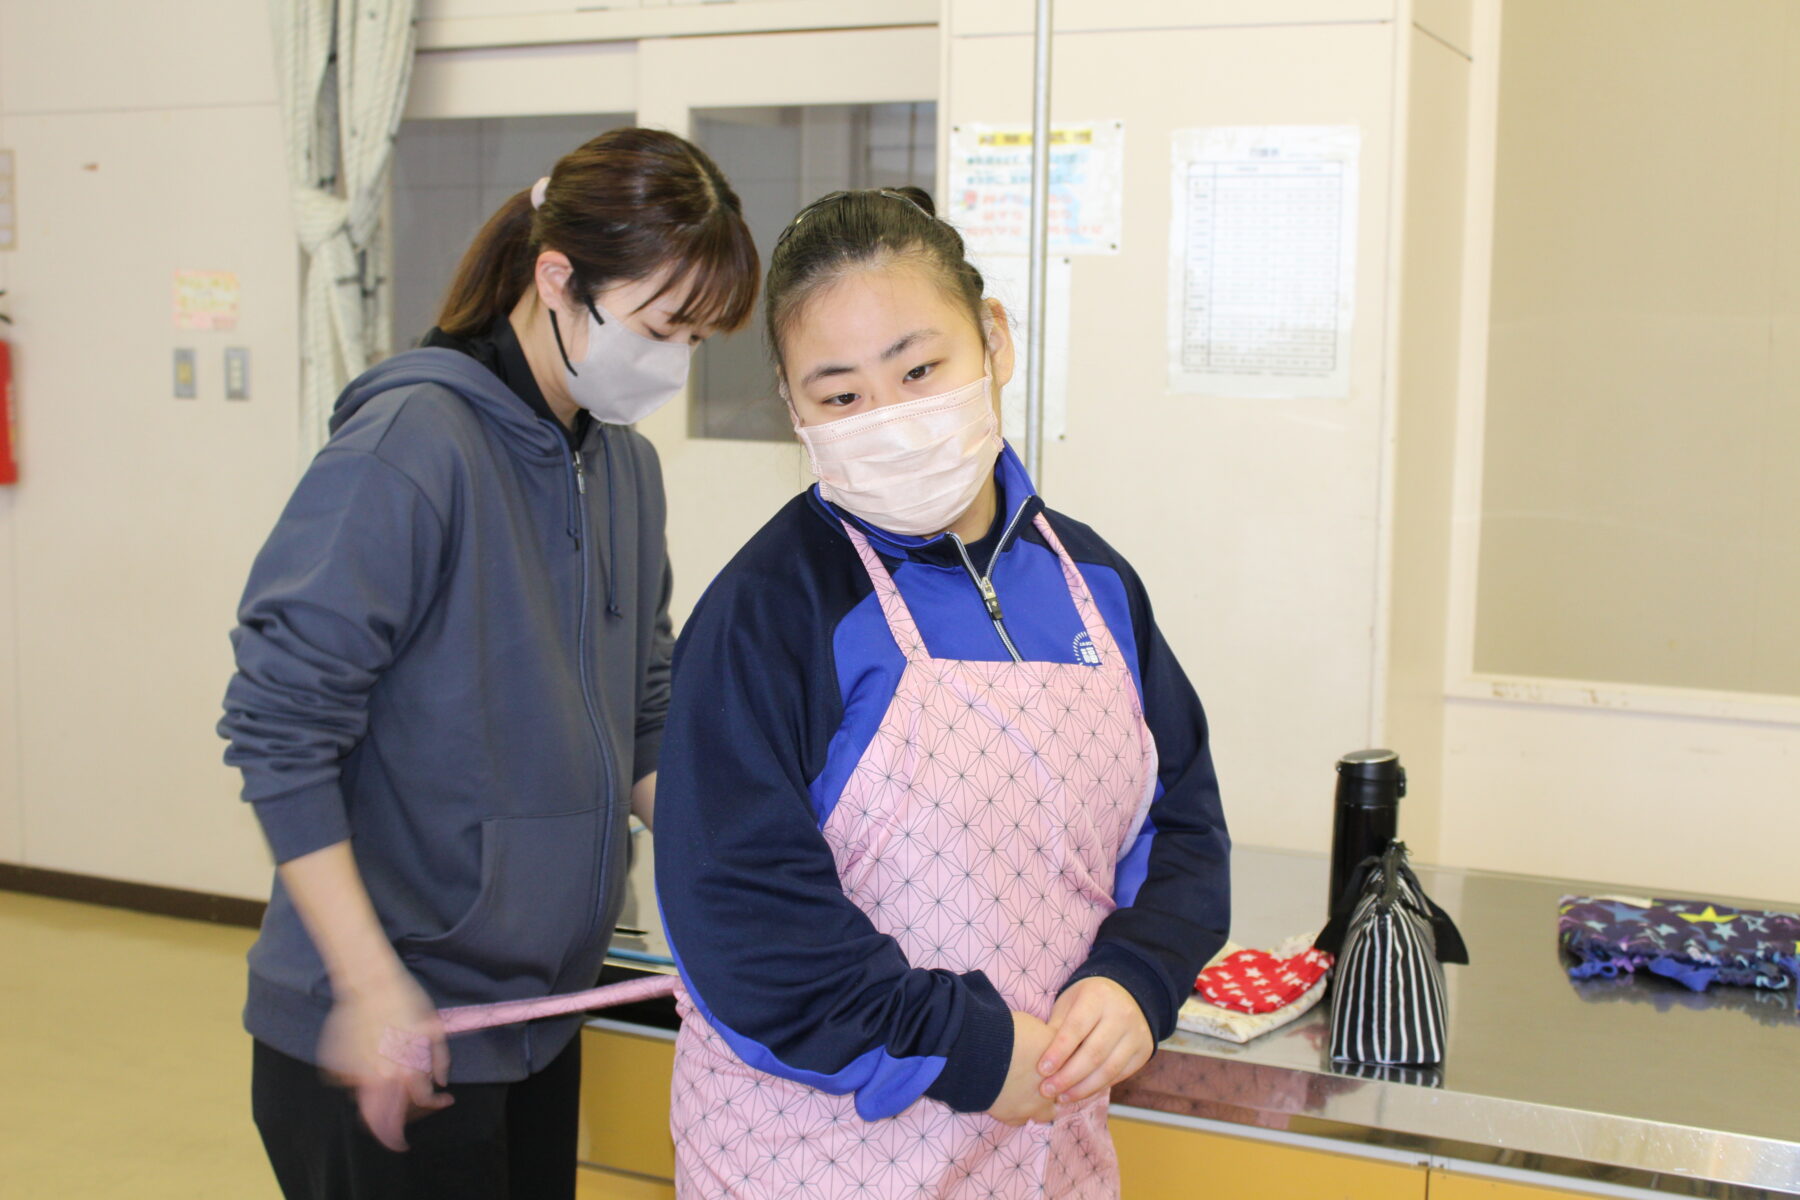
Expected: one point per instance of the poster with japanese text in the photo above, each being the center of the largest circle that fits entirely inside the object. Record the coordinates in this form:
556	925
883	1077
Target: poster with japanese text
990	187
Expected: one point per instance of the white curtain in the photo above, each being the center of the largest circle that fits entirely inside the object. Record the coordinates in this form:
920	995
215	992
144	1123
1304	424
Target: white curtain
343	66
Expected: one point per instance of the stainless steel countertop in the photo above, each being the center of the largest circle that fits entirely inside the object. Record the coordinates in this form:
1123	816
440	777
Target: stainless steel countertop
1635	1077
1638	1074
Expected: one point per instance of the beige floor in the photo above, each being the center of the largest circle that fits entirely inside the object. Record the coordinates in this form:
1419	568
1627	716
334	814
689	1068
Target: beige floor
124	1071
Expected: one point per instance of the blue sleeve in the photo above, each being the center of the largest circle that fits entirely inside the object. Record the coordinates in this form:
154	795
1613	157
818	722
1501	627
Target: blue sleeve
784	966
653	691
335	590
1174	882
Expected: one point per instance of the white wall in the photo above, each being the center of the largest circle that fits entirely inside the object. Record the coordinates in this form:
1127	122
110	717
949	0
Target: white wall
123	553
11	813
147	141
1421	434
1296	556
1641	511
1678	805
1695	792
1255	524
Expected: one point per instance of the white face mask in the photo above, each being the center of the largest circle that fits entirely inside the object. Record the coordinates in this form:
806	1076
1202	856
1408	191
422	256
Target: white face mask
910	468
624	376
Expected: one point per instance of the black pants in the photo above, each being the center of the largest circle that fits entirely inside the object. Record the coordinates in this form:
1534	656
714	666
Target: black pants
499	1141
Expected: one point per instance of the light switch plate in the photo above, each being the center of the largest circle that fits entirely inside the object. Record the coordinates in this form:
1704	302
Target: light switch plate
237	372
187	374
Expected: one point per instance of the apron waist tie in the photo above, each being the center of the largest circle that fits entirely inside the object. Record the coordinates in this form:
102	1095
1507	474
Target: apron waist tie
414	1051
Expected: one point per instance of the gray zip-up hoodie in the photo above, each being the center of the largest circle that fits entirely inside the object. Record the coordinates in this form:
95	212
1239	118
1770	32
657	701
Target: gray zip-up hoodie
454	651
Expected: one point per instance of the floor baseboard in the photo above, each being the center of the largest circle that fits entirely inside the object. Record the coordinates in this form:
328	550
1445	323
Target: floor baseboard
139	897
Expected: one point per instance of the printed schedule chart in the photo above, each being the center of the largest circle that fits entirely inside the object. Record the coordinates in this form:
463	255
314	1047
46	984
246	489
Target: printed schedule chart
1261	274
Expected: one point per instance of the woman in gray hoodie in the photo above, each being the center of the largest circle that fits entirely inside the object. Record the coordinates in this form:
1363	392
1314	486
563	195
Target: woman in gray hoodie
452	674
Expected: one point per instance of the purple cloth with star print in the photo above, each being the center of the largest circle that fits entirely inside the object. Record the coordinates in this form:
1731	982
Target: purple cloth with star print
1694	942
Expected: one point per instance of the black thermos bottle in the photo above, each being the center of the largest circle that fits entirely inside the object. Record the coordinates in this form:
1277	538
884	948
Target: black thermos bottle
1369	786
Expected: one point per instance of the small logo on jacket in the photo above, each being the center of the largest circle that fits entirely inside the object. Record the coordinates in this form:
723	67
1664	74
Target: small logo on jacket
1085	650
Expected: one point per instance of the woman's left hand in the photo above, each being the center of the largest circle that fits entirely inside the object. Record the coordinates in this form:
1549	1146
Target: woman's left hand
1100	1037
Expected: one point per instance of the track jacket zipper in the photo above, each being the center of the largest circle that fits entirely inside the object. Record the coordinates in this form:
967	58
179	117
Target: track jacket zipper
984	581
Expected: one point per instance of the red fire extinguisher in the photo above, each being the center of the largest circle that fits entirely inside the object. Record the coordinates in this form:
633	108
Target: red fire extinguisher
9	425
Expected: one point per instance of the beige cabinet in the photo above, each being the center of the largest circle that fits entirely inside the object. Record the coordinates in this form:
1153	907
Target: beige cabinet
625	1116
625	1143
626	1153
1166	1162
1453	1185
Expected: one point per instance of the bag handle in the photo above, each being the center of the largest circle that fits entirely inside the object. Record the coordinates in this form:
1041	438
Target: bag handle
1331	938
1391	864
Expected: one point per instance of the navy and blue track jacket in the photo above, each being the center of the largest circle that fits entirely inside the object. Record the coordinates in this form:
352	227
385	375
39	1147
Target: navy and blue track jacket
781	677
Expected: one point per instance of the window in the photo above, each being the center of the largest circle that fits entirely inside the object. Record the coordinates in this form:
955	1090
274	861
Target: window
779	159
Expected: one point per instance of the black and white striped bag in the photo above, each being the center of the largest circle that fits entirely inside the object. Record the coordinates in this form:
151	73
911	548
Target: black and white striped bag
1387	1001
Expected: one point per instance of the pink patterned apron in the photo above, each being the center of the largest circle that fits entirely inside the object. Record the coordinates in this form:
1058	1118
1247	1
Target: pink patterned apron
980	830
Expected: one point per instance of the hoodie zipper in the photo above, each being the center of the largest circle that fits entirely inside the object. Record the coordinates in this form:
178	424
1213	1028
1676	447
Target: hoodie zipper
577	499
984	583
591	702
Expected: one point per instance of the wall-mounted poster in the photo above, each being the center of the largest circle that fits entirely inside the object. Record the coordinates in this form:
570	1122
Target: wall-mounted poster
1262	260
990	187
206	300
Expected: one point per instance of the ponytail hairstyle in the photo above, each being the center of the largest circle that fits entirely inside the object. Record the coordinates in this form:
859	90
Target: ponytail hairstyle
620	206
847	231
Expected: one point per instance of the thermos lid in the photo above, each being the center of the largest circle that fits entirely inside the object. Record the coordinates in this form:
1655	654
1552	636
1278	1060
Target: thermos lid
1376	766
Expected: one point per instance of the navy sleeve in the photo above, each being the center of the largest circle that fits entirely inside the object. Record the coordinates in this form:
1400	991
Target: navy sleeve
653	694
789	971
338	586
1174	882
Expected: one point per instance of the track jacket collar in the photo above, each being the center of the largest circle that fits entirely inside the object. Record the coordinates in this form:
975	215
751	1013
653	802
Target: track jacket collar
1019	504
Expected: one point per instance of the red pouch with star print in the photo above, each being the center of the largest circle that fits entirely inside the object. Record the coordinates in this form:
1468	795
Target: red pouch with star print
1255	981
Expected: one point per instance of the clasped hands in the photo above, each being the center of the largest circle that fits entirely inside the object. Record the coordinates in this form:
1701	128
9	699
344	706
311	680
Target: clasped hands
1096	1036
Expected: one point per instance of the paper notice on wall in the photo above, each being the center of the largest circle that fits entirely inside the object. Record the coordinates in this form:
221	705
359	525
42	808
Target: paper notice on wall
990	187
206	300
1008	279
1262	260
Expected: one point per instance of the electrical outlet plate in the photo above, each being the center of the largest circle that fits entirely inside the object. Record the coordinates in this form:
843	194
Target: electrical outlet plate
187	374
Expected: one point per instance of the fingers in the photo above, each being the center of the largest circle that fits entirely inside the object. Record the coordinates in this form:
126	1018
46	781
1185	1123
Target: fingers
1124	1062
440	1059
383	1106
1076	1025
387	1104
1064	1003
421	1091
1089	1057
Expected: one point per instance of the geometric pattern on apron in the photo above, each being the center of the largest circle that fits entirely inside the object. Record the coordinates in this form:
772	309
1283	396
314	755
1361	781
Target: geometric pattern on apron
981	830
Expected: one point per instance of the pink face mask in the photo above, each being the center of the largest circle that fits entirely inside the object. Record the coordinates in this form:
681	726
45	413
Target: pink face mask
910	468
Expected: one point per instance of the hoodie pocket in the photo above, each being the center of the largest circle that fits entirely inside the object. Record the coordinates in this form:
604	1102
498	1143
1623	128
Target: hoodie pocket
537	896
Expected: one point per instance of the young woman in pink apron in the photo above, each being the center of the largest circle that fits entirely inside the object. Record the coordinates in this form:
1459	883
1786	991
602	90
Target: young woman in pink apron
939	843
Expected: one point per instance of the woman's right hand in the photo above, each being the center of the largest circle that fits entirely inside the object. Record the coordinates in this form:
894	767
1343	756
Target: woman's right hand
374	992
388	1094
1020	1101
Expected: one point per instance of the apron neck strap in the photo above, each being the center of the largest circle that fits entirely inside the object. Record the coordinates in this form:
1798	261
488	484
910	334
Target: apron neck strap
1096	626
905	630
900	621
